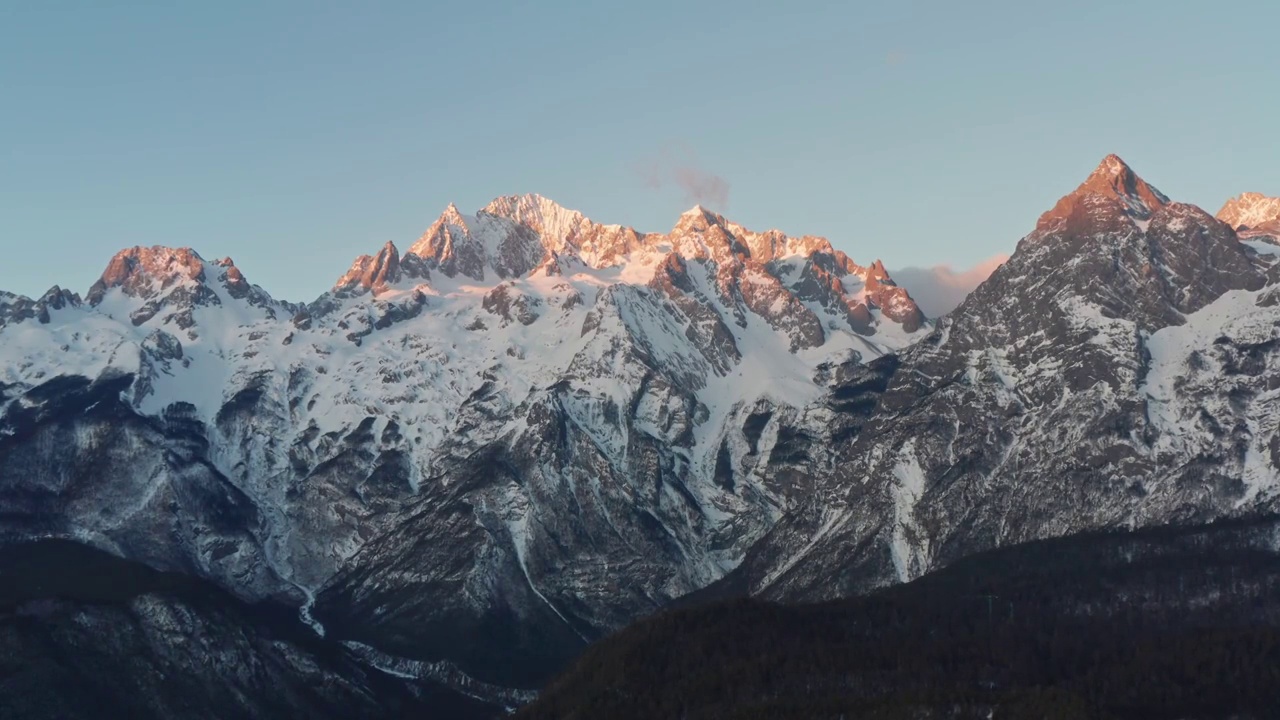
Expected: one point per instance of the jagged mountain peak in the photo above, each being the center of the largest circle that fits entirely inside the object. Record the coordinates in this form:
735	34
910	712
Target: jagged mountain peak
538	227
1113	372
373	272
555	223
447	242
527	207
1115	246
640	417
1113	178
509	237
156	260
1112	166
1251	211
168	283
698	218
144	271
1112	192
452	215
518	237
17	308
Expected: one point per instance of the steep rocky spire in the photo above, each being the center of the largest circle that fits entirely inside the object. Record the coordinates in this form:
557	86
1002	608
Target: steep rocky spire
1112	190
373	272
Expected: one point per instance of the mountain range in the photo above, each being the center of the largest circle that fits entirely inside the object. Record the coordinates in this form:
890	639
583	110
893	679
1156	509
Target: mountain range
467	461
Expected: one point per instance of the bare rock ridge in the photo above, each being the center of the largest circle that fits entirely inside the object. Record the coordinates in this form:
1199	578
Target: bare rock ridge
1111	193
527	430
515	235
1115	372
138	271
375	273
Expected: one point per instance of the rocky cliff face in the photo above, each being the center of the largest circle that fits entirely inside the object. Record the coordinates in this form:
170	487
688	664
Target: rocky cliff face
531	428
1120	370
525	431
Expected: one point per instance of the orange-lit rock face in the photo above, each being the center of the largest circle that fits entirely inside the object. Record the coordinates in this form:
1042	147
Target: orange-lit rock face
145	272
1110	197
373	272
173	282
1252	214
769	274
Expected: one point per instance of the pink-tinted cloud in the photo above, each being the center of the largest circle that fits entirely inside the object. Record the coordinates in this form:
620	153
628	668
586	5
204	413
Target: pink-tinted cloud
678	166
703	187
939	289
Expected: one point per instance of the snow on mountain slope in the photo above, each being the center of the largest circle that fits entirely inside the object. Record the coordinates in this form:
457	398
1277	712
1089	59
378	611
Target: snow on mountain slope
1186	399
530	428
1119	370
1252	212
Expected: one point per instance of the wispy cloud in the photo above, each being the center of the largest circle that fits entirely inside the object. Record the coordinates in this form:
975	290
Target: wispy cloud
678	166
940	289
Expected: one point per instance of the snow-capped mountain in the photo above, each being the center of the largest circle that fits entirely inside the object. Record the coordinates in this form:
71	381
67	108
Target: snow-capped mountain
1255	217
1122	369
530	428
525	431
1250	211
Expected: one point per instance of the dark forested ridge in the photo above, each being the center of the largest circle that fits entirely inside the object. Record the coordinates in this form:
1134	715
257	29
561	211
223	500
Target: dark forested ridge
470	461
84	634
1169	623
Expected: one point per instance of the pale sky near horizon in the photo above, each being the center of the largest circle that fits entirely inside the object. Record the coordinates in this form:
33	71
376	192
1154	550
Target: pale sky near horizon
294	136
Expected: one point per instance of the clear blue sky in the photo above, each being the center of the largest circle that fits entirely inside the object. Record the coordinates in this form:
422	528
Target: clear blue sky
294	136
